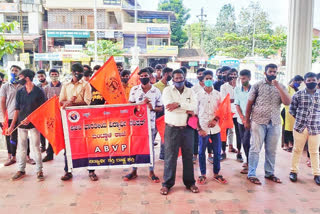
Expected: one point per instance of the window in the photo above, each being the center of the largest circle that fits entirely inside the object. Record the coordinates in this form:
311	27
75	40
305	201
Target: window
112	2
60	19
79	22
62	42
158	41
25	22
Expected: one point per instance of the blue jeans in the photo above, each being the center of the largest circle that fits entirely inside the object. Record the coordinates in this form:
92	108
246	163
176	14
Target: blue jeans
216	145
269	135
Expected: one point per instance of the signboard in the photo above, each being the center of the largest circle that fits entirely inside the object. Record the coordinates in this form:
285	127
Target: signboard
68	57
109	34
73	47
170	50
157	30
61	34
8	8
107	136
47	57
193	63
25	58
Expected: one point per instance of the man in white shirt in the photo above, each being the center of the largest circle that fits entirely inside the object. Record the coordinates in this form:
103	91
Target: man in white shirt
208	103
145	93
228	88
179	102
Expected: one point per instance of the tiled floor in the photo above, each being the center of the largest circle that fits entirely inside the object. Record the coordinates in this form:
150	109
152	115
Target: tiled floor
112	195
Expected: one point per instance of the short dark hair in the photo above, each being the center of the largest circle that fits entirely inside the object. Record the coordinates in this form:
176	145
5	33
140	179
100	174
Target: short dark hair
96	67
151	70
119	64
271	65
166	70
77	67
233	70
207	72
15	66
184	69
200	70
28	73
225	68
88	73
298	78
125	72
2	75
144	70
87	66
318	76
309	75
158	66
218	70
53	70
245	72
177	71
42	72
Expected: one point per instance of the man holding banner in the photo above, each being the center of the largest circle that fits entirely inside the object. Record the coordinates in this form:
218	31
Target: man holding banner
76	93
145	93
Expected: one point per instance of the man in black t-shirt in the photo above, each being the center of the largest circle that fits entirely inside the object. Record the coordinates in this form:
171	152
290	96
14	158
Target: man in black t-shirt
28	99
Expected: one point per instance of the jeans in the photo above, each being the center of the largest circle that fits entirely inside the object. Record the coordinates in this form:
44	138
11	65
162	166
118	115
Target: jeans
269	135
161	155
153	135
245	135
216	145
175	138
23	147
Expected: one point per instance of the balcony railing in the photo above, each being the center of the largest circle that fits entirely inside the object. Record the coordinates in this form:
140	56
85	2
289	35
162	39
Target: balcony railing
100	26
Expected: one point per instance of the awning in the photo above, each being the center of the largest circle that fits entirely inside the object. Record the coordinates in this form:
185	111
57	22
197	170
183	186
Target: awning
148	14
19	38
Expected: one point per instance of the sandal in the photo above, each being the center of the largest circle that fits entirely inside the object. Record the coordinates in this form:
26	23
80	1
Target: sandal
193	189
233	150
254	180
154	179
220	179
93	176
273	178
164	191
244	171
289	149
130	177
202	179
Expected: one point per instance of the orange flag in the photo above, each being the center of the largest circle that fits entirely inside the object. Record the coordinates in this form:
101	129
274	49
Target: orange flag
47	119
5	123
134	78
107	81
226	117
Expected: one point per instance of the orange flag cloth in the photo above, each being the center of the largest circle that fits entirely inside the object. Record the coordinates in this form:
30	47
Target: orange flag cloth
5	123
225	115
107	81
134	78
47	119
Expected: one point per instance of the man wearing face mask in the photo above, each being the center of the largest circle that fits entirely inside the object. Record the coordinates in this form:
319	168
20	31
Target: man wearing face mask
145	93
120	67
263	117
51	90
8	98
222	77
77	92
318	79
187	83
180	102
158	72
161	85
42	78
305	108
28	99
87	73
125	75
289	120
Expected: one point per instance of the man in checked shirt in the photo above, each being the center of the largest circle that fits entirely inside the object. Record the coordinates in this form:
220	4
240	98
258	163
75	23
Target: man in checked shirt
305	108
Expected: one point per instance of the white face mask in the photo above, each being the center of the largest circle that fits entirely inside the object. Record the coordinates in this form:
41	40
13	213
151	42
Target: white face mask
54	79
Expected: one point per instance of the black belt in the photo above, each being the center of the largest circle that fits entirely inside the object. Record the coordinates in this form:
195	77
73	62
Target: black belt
178	127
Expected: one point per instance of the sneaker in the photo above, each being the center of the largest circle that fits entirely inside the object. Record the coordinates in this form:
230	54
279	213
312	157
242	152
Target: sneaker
66	176
239	158
210	159
40	176
9	162
47	158
194	159
18	176
31	161
223	156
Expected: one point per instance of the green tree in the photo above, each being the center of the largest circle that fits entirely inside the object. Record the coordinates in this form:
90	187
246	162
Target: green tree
178	35
226	20
105	48
8	47
194	34
233	45
315	50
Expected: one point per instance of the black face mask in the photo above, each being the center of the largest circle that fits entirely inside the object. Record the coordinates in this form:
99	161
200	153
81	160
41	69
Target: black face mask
125	80
311	85
271	77
220	77
42	81
200	78
231	78
22	82
145	81
224	78
169	78
78	76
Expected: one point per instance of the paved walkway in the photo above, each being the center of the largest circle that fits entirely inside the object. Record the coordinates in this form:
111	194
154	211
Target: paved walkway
112	195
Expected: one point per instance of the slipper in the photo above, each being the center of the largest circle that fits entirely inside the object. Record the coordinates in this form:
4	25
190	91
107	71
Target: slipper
193	189
273	178
202	179
130	177
93	176
244	171
154	179
164	191
254	180
220	179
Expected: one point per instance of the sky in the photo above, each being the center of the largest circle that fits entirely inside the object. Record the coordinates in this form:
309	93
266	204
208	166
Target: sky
277	9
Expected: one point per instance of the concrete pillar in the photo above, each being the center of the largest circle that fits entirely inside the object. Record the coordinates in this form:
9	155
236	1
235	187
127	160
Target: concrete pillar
299	47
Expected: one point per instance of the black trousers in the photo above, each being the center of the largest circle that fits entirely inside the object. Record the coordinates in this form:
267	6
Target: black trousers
175	138
245	136
42	141
238	137
195	142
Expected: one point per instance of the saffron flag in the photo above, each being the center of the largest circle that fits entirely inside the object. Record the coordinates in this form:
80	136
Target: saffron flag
225	117
107	81
134	78
47	119
5	124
